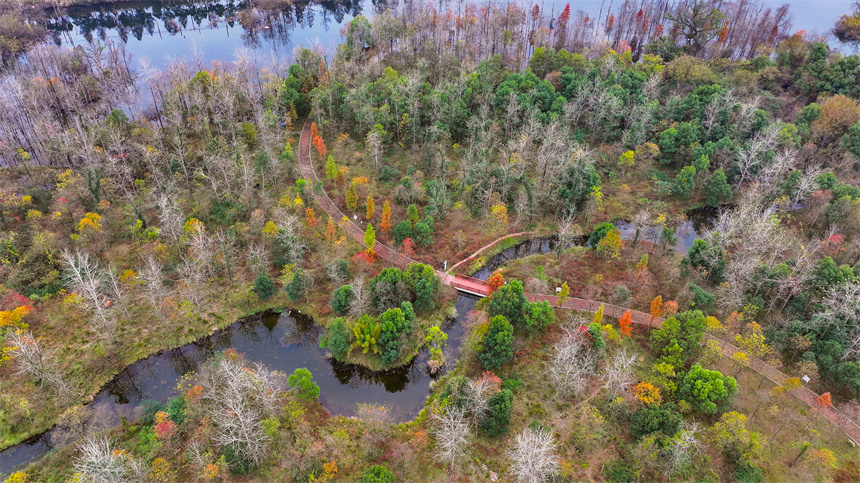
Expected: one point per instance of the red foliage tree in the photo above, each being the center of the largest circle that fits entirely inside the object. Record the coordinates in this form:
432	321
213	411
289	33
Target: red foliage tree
408	247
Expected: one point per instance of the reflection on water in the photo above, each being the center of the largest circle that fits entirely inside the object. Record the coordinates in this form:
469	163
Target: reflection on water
699	222
212	30
283	342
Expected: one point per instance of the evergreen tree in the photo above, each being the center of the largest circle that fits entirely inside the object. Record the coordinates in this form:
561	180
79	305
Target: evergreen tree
498	419
302	381
342	298
412	215
685	182
264	286
337	339
717	189
497	345
510	302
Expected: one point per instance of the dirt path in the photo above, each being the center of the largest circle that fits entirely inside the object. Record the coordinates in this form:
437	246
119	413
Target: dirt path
478	287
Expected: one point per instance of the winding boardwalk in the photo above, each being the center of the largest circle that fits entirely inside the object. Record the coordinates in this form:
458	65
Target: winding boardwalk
478	287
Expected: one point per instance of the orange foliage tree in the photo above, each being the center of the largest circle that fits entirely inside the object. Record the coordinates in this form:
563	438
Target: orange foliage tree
495	281
385	223
320	145
311	217
625	322
656	308
824	400
670	308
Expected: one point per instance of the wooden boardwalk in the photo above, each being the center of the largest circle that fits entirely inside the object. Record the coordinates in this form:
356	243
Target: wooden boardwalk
480	288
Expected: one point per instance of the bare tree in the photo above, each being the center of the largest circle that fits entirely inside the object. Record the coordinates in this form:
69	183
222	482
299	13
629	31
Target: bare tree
533	458
37	362
451	430
84	276
751	157
572	364
682	448
192	276
117	290
374	144
568	231
240	398
618	373
842	304
170	218
360	297
258	257
478	392
98	463
151	275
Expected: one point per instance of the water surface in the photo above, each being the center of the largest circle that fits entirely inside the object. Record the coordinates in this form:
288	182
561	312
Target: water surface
283	342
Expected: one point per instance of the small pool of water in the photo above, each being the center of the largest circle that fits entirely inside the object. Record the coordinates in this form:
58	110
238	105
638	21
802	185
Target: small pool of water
699	222
283	342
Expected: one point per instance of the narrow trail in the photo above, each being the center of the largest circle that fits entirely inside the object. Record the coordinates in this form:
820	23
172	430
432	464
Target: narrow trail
478	287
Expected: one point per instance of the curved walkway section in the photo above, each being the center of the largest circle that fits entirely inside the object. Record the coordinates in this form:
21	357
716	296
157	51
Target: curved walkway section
478	287
353	230
475	255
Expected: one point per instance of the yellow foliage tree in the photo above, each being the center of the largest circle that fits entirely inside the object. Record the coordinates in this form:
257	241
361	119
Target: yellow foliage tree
656	307
369	207
562	294
351	196
500	213
647	393
90	221
270	230
610	245
598	316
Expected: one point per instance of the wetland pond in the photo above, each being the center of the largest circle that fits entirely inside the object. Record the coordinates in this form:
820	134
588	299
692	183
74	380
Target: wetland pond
283	342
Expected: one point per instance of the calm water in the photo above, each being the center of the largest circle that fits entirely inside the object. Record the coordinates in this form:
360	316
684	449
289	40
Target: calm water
216	30
699	221
283	342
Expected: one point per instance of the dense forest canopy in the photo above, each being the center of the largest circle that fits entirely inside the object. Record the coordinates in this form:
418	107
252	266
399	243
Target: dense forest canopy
142	209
